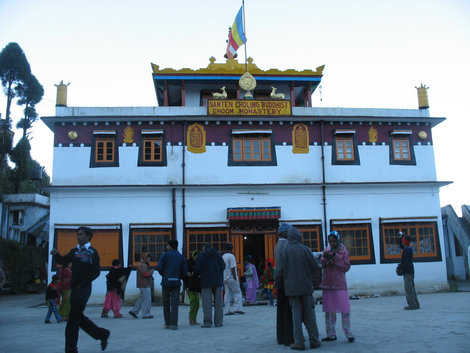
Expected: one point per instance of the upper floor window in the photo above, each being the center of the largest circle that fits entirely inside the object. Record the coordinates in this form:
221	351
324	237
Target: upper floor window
356	235
345	147
104	150
251	147
17	218
401	148
152	150
424	238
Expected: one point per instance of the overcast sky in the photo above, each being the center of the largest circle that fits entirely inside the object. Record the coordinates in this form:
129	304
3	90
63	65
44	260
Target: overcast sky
375	53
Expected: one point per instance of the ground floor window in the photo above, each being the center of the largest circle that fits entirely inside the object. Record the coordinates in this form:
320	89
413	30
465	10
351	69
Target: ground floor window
107	240
311	236
196	237
151	239
356	235
424	238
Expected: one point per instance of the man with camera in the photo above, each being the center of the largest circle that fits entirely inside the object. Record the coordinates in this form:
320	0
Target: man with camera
406	268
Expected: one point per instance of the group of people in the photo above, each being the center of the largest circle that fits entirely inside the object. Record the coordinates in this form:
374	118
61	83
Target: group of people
206	274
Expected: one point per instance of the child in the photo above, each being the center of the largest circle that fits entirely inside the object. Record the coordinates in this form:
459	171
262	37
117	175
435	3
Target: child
51	296
63	290
268	280
335	263
113	293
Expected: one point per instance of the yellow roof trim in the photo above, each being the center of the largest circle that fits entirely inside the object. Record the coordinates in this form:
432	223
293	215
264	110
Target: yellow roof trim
232	66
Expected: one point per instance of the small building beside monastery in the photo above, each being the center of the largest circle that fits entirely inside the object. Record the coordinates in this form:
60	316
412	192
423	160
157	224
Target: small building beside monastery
227	156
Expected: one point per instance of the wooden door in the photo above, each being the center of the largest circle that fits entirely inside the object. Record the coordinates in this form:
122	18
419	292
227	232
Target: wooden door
269	244
237	241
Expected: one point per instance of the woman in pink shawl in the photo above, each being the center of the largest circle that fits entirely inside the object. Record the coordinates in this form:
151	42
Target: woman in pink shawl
335	264
252	282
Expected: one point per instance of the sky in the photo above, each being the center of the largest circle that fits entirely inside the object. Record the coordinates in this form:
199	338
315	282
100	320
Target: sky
375	53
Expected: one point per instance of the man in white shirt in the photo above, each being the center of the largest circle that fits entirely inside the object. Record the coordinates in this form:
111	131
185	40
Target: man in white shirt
231	284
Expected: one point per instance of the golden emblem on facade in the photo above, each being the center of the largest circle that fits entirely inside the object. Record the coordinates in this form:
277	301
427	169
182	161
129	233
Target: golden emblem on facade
300	139
128	135
372	134
248	83
196	137
423	135
72	135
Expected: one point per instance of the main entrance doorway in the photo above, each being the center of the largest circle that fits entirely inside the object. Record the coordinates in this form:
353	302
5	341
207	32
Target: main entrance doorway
256	239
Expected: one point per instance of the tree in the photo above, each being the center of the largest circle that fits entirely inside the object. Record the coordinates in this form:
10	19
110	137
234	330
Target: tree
30	116
14	71
20	155
30	93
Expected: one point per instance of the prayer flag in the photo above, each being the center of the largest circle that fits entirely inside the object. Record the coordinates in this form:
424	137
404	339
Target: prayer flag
237	35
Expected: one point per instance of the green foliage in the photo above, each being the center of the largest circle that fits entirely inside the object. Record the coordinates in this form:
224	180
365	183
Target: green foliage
6	142
7	177
19	82
30	93
20	155
14	71
21	263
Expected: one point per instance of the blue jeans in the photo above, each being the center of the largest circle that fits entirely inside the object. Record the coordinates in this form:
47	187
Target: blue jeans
52	309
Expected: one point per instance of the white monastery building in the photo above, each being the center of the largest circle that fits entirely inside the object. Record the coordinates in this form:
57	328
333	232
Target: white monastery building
226	156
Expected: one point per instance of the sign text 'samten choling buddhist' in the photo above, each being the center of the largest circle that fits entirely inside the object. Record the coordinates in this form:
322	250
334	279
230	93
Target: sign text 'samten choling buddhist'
248	107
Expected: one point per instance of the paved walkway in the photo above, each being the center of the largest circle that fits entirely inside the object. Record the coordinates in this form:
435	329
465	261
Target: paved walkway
379	325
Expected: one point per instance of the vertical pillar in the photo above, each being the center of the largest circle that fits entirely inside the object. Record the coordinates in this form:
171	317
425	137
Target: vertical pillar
183	95
292	98
238	91
309	95
165	94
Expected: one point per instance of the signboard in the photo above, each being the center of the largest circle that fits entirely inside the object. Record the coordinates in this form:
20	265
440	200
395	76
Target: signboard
248	107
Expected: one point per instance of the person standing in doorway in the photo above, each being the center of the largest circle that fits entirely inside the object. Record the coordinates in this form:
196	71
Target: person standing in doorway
210	267
172	267
284	330
335	263
252	281
144	281
298	267
233	292
408	270
268	280
85	269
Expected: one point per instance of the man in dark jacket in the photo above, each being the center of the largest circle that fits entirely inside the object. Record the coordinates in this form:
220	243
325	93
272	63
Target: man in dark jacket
284	331
210	267
172	267
85	269
297	269
408	270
